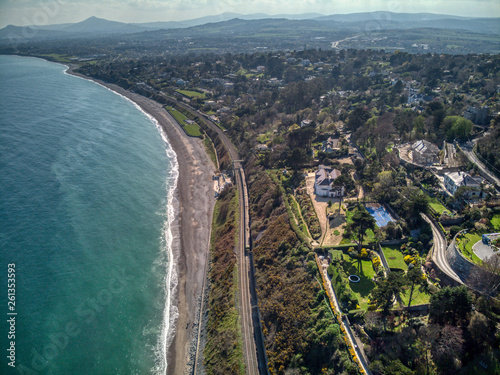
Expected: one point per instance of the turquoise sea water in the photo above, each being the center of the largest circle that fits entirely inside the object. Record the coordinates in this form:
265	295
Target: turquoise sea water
85	185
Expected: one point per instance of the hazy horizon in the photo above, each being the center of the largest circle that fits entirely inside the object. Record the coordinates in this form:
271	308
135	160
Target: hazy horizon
33	12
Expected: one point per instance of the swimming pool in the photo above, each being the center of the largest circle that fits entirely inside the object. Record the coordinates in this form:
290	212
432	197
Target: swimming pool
379	212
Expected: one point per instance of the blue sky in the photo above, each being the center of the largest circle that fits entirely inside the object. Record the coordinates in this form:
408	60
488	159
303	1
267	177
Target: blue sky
46	12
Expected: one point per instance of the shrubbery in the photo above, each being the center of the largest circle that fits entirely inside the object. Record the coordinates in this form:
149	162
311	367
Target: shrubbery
308	213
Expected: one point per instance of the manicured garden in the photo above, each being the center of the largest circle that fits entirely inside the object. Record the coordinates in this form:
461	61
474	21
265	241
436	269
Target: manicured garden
437	206
394	257
495	222
465	243
418	298
191	94
353	294
369	237
192	129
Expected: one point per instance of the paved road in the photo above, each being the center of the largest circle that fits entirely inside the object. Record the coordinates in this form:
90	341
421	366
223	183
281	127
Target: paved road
471	155
253	345
439	251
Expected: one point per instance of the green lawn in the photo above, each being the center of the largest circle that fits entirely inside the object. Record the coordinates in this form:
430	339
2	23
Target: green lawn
437	206
469	240
369	236
395	258
191	129
263	138
192	94
419	298
364	270
495	221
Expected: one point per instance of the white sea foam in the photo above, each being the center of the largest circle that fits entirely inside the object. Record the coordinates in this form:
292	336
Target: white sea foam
169	233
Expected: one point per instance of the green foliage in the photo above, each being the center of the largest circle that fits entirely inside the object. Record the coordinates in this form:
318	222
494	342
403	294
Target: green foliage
451	305
352	294
209	147
488	149
299	331
223	352
361	221
191	129
309	213
456	127
394	257
192	94
387	290
289	208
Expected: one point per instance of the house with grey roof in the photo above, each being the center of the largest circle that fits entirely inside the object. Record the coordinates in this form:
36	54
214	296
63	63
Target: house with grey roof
425	152
331	145
324	182
454	180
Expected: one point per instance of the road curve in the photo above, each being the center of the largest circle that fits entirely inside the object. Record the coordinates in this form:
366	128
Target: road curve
471	155
439	251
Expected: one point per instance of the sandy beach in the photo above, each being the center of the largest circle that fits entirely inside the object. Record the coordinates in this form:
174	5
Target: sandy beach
194	201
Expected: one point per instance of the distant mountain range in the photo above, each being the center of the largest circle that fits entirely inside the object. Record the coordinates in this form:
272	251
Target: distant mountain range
380	20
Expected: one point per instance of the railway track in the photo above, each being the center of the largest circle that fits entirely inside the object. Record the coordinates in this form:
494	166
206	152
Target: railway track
253	343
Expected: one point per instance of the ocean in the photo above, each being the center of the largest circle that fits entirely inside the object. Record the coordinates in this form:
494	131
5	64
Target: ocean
86	186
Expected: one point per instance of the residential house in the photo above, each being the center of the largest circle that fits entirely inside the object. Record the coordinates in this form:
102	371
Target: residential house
425	152
324	182
477	115
454	180
305	123
414	97
331	145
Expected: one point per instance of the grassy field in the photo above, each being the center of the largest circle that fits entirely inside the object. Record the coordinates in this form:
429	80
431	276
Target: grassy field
469	240
437	206
495	221
209	147
419	298
191	94
58	57
191	129
364	270
395	258
369	237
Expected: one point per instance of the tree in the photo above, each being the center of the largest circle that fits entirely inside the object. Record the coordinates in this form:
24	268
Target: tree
357	118
456	127
450	305
386	292
415	203
480	331
447	349
361	222
487	276
297	157
427	336
415	278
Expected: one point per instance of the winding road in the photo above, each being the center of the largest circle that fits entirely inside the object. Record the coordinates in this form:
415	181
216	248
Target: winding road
439	249
471	155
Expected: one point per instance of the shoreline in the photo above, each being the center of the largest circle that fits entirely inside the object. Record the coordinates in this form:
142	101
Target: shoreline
193	201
